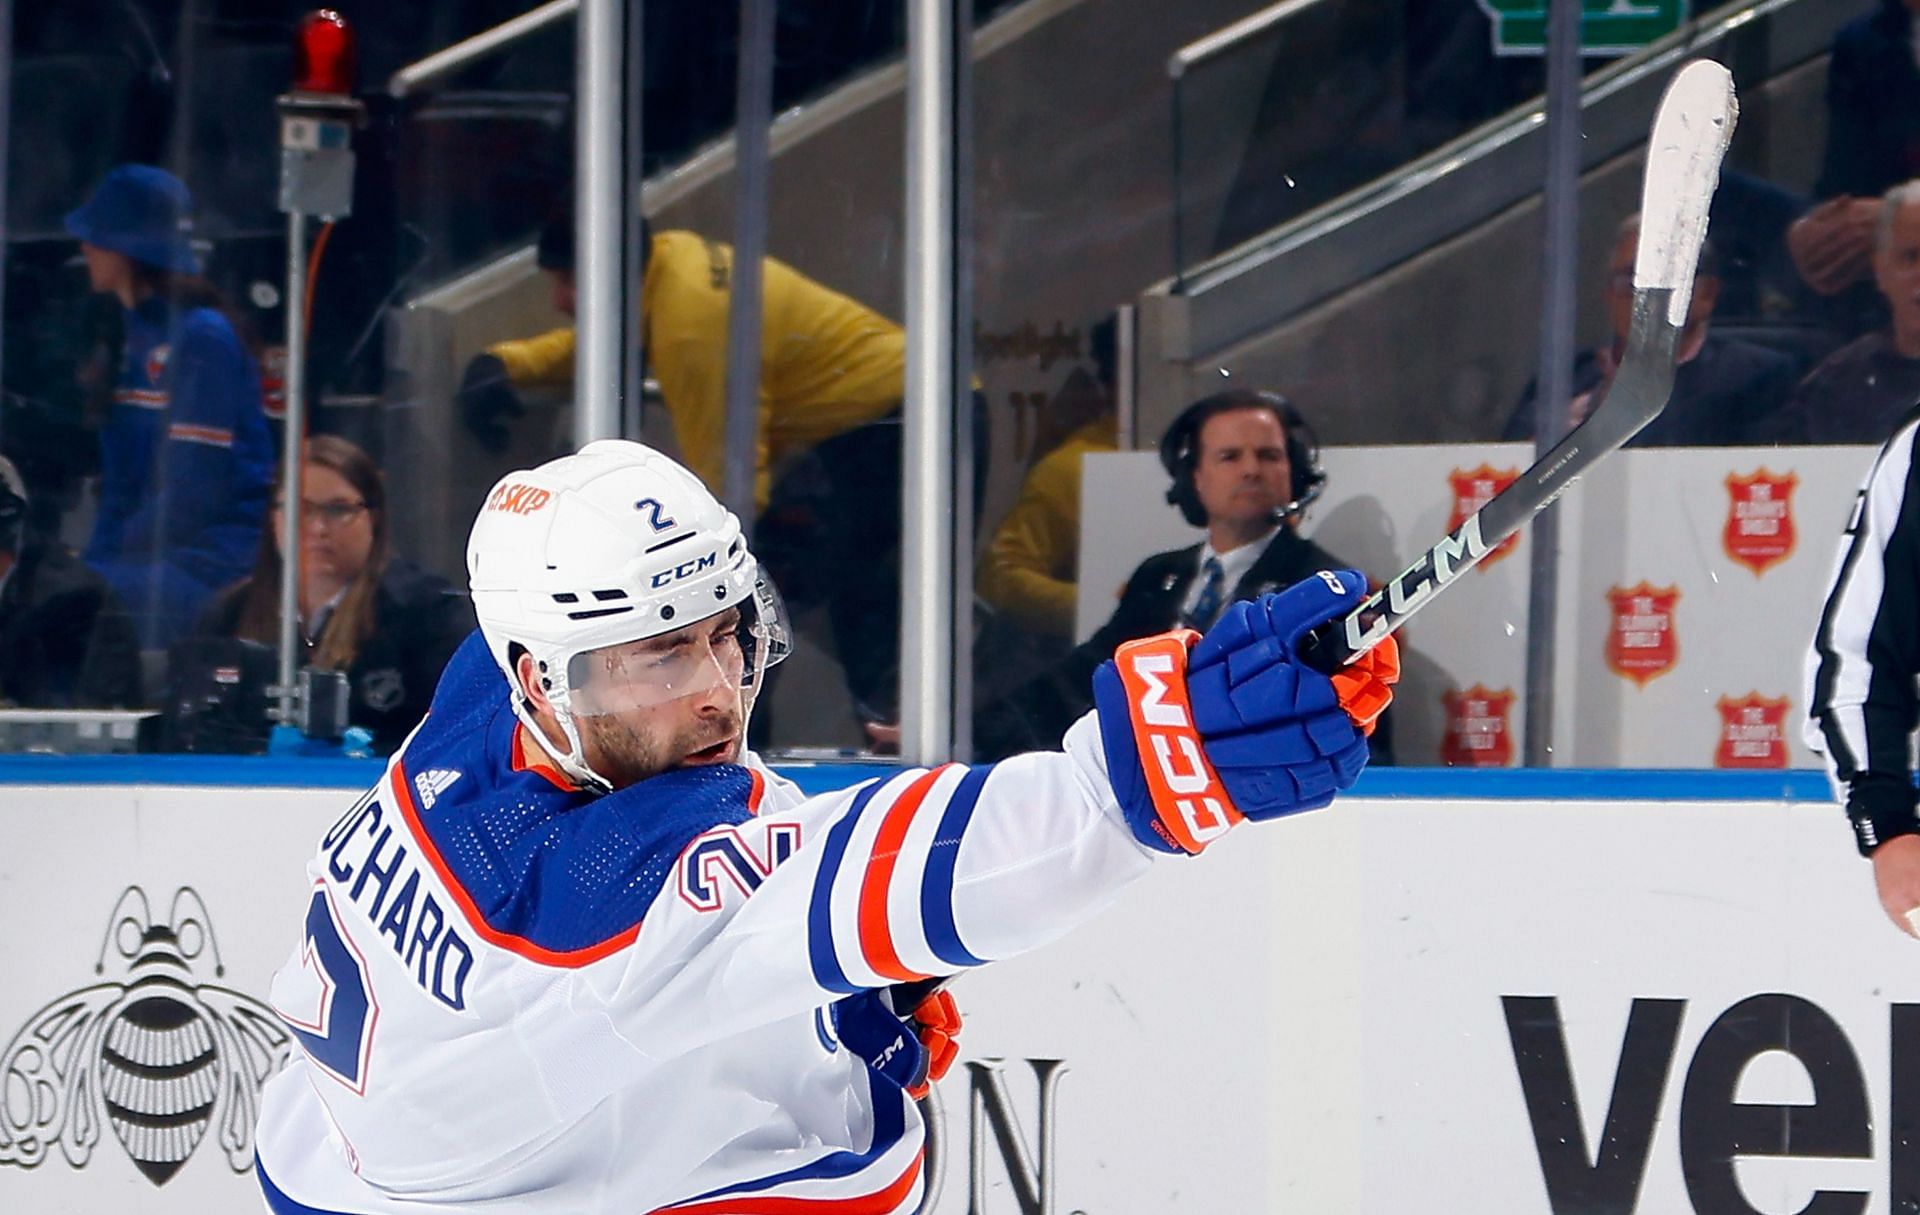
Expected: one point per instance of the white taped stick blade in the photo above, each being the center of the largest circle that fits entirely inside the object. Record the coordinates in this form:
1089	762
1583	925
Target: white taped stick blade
1690	135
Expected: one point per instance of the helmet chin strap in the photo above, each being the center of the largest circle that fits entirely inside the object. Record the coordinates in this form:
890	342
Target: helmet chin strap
574	761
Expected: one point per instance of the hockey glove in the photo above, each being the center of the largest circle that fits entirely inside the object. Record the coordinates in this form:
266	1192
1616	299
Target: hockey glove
486	398
936	1021
911	1051
1202	732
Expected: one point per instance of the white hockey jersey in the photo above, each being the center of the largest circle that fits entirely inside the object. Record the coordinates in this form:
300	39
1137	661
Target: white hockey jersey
513	996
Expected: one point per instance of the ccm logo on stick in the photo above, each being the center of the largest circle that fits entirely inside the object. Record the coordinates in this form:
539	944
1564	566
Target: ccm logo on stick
518	499
1193	805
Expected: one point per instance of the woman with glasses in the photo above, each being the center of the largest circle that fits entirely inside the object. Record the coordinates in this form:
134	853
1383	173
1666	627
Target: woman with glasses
390	625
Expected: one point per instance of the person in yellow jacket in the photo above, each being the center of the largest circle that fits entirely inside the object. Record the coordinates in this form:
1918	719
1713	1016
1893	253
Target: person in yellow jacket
832	375
828	365
1029	571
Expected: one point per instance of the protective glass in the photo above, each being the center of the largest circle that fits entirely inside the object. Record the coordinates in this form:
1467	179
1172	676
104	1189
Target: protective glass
732	648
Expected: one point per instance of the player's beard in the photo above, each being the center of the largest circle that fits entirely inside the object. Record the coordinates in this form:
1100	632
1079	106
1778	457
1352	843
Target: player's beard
624	752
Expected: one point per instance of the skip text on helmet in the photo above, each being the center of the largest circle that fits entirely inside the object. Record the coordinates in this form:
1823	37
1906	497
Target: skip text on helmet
518	498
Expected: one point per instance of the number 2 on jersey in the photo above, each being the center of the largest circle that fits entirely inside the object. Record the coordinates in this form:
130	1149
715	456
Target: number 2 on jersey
339	1033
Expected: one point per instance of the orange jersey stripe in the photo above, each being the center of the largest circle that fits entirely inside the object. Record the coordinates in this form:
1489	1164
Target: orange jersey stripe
532	757
403	794
876	934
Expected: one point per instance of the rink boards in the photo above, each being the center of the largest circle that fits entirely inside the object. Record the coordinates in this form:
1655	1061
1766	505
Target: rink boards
1690	581
1413	1002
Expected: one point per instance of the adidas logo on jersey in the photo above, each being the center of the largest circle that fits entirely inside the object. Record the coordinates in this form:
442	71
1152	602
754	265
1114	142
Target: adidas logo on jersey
432	783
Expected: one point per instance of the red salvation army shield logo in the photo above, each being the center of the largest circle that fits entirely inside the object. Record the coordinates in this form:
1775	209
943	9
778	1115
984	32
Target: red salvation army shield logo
1479	731
1641	644
1753	732
1759	530
1472	489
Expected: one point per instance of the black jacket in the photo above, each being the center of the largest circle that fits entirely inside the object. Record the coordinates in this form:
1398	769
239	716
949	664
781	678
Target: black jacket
1036	715
420	620
1722	397
1873	106
66	641
1857	395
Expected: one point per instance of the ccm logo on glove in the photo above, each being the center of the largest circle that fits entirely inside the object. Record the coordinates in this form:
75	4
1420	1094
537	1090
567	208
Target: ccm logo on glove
1153	672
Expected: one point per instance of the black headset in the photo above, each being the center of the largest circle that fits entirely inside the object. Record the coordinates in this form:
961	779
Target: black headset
1180	450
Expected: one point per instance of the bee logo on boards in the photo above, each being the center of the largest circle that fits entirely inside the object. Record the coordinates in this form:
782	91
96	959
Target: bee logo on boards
152	1051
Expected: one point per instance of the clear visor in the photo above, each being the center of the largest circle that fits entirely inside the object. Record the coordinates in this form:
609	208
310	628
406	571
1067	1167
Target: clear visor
731	649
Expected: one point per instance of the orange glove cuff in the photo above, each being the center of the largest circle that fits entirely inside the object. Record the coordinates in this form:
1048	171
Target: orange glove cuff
1365	688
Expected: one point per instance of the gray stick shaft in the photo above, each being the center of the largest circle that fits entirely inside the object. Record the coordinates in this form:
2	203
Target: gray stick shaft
1638	393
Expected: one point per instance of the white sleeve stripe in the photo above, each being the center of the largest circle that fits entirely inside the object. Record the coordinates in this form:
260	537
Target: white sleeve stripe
844	900
904	901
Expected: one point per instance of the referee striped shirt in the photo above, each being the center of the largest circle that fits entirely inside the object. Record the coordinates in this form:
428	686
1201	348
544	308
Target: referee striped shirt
1861	704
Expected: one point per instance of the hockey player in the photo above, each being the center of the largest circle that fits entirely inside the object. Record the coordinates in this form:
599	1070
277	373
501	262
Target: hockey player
579	951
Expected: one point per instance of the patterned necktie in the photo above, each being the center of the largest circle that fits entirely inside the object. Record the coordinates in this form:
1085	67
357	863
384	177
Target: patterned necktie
1207	606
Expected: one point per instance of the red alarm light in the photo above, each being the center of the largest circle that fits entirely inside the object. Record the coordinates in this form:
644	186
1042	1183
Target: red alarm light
323	54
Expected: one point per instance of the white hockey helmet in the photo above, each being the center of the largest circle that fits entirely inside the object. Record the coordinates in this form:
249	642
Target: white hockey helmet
611	545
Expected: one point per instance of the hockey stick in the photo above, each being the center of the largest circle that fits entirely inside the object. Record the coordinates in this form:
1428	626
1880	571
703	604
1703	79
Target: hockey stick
1690	134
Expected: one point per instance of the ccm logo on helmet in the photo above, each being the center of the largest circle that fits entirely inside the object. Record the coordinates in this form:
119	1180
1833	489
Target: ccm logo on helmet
518	499
1192	803
686	569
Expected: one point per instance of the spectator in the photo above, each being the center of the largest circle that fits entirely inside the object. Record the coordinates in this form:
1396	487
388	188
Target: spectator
1029	571
1858	394
66	641
831	380
1873	143
388	624
1722	388
1245	465
186	457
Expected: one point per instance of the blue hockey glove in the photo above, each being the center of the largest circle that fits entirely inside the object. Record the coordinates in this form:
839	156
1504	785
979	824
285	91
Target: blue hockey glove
891	1046
1202	732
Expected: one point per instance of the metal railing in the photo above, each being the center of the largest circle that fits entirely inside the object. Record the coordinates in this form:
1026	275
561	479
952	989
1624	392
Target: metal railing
1183	61
468	51
1309	258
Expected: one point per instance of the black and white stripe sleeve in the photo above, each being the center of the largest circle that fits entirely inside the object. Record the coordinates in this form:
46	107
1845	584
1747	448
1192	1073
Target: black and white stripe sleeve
1861	705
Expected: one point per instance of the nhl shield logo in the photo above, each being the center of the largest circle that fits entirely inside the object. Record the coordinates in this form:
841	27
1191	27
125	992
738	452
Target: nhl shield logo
1474	488
151	1051
1753	732
1641	644
157	363
1479	731
1759	531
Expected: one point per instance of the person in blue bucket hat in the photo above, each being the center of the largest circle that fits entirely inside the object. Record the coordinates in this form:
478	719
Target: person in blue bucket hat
186	456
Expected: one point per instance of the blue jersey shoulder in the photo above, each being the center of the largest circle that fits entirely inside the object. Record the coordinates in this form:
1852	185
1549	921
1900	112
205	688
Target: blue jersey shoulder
559	869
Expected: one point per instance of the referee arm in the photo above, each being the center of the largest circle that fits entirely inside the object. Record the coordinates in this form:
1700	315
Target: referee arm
1861	702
